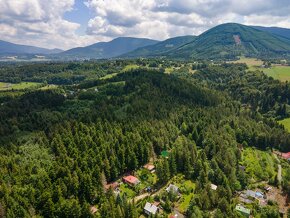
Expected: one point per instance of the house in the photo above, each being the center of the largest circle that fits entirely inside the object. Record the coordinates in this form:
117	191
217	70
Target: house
172	188
253	194
245	211
213	187
149	167
131	180
285	155
268	188
150	209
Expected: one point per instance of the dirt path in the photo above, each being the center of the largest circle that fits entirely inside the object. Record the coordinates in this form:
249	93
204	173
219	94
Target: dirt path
279	175
140	197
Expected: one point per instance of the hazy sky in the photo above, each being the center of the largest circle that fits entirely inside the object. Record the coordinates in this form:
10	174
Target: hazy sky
70	23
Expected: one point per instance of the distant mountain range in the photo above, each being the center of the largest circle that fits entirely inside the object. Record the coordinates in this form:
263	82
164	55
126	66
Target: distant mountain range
226	41
8	48
110	49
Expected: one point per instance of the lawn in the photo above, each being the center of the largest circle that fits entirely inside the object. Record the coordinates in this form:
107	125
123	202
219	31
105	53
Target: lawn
281	73
147	178
285	123
18	86
127	190
260	165
186	188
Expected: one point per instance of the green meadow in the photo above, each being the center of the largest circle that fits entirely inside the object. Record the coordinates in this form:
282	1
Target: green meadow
281	73
18	86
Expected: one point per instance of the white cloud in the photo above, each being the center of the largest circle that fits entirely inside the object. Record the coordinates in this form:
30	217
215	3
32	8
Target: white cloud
41	23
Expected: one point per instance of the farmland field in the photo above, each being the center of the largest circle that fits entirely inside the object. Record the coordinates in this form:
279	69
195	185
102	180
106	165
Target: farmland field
281	73
17	86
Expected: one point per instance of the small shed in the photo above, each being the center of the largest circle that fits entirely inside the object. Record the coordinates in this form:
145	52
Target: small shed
149	167
165	153
213	187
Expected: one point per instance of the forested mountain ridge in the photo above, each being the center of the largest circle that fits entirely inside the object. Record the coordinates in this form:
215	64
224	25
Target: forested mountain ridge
110	49
60	147
228	41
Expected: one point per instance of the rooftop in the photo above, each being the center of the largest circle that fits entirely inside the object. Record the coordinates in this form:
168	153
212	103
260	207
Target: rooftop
151	208
131	179
242	209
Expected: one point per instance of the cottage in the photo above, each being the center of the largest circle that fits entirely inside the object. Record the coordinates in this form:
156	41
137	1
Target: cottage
213	187
245	211
173	189
149	167
150	209
131	180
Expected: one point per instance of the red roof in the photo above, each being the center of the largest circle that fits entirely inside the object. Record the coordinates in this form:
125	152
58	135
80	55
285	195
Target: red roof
286	155
131	179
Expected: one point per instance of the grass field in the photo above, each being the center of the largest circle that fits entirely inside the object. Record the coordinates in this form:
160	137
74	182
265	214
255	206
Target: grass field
260	165
252	63
281	73
18	86
130	67
285	123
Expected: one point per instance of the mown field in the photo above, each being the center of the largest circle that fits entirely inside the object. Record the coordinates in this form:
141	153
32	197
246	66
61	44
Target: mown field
17	86
285	123
281	73
252	63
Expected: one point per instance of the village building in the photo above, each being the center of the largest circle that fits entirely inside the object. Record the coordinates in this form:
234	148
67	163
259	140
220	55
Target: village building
131	180
149	167
245	211
173	188
150	209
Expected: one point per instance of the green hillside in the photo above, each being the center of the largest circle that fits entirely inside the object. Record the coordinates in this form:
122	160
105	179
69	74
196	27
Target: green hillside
232	40
160	48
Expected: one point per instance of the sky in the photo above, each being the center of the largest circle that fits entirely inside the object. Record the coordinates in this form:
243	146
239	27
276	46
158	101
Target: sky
66	24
